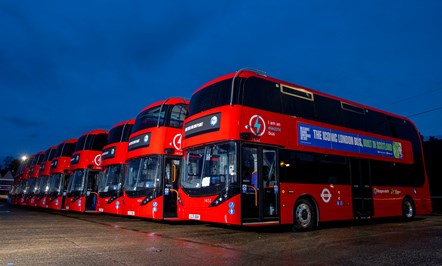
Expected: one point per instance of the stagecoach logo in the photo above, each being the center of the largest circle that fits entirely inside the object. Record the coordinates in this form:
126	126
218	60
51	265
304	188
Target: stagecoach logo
391	191
257	125
326	195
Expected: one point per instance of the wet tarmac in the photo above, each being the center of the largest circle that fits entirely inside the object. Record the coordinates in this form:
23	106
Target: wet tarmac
46	237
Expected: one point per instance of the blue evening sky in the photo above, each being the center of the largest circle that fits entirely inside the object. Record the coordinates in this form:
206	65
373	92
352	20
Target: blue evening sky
67	67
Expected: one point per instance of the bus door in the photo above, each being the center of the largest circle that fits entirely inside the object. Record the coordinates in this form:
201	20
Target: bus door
64	188
259	184
92	188
170	192
361	189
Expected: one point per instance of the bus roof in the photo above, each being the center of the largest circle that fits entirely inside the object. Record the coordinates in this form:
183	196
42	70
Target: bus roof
248	74
171	100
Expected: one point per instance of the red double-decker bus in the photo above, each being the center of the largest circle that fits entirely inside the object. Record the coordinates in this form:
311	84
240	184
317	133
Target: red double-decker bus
31	186
113	161
86	168
43	177
17	187
259	150
60	174
20	181
154	156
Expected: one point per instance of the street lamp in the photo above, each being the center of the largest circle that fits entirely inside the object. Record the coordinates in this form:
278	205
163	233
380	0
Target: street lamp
24	158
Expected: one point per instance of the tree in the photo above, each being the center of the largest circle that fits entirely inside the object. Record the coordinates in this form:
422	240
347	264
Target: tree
10	164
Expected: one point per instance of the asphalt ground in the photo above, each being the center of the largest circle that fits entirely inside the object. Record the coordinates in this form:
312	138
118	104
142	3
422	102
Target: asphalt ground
46	237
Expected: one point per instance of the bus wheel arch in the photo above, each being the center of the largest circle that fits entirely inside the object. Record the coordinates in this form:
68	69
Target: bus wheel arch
305	214
408	208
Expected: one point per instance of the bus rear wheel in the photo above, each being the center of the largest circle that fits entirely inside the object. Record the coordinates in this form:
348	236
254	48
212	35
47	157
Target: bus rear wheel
304	215
408	210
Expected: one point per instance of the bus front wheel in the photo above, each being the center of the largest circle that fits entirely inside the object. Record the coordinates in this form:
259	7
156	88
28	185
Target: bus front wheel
304	215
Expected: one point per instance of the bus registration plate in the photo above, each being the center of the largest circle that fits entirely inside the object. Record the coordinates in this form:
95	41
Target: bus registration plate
194	216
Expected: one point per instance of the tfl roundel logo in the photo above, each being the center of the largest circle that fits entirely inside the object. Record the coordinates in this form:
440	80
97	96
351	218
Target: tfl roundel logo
257	125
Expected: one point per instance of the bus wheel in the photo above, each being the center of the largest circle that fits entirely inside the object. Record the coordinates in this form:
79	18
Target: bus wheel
408	210
305	215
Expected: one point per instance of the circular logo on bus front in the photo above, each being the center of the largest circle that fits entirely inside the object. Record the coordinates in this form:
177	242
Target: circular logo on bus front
177	141
97	160
257	125
213	121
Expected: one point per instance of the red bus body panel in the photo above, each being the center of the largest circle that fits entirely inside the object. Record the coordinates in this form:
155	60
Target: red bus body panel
197	208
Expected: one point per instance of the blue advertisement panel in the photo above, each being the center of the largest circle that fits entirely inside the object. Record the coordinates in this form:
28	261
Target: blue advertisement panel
327	138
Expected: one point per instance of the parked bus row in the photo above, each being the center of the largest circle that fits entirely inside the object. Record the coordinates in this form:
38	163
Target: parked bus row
247	149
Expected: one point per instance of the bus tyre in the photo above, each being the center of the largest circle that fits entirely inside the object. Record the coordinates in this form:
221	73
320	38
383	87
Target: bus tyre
408	210
304	215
